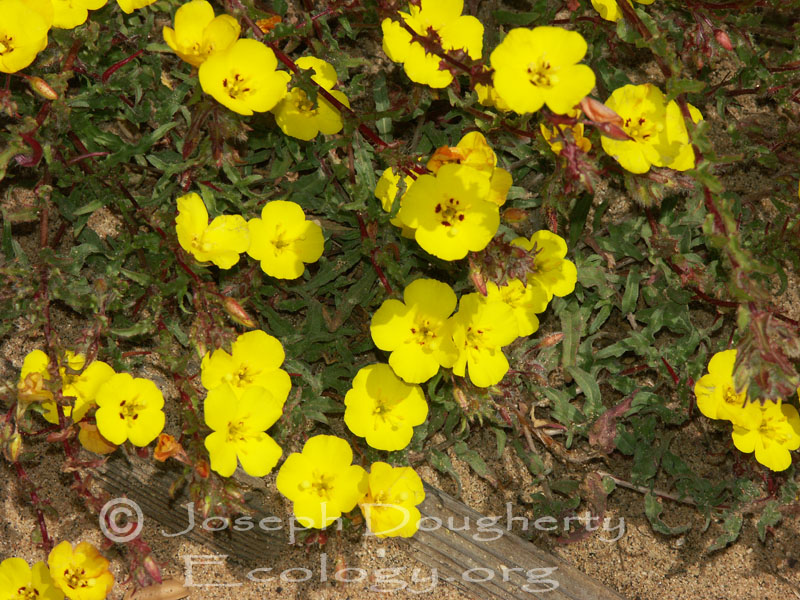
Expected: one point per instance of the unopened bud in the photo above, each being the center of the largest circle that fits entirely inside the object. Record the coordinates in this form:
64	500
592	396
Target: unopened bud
550	340
152	569
613	131
238	314
41	87
268	24
514	215
14	447
477	277
201	468
598	112
723	39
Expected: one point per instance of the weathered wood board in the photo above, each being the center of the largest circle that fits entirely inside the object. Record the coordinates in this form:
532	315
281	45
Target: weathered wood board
506	568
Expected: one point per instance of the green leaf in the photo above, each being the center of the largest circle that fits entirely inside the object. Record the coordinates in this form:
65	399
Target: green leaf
593	405
653	510
732	527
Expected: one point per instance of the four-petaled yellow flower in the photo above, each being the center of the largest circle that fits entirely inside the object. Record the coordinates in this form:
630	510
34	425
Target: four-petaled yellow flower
82	573
550	269
130	409
386	191
221	241
417	331
771	430
450	212
299	117
244	78
657	128
128	6
609	9
23	32
390	506
282	239
321	481
198	33
456	32
240	423
68	14
481	327
525	300
539	66
716	393
18	581
255	360
383	408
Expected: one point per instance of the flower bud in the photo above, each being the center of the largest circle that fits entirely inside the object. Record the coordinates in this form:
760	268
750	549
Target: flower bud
598	112
14	447
613	131
238	314
723	39
514	215
41	87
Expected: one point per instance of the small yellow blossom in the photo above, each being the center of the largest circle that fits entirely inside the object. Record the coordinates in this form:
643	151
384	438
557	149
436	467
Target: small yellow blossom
82	387
221	241
609	9
771	430
82	573
255	360
130	409
68	14
128	6
386	191
298	117
554	136
488	96
239	424
18	581
198	33
539	66
23	33
244	78
90	438
383	408
525	300
282	239
550	269
455	31
321	481
32	377
390	506
481	328
416	331
716	393
657	128
450	212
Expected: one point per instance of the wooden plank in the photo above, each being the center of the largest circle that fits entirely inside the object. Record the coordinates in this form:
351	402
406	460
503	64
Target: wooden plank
506	568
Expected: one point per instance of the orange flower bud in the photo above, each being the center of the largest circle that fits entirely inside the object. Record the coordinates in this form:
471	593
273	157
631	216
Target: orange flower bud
41	87
514	215
598	112
268	24
238	314
166	447
723	39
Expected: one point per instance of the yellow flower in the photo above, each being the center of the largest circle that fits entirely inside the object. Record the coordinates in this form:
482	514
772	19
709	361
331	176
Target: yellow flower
609	9
32	377
450	212
390	506
525	300
255	361
239	423
130	409
82	387
128	6
553	136
456	32
488	96
771	430
383	408
243	77
473	151
550	269
297	116
386	191
321	482
82	573
416	331
716	392
481	327
221	241
658	130
23	32
19	582
198	33
68	14
283	240
539	66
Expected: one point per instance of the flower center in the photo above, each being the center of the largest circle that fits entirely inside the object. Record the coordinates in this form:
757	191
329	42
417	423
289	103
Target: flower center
641	129
731	397
541	74
235	86
129	409
424	332
236	431
774	428
6	44
450	212
303	104
385	410
75	578
26	593
243	377
320	484
200	245
474	337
